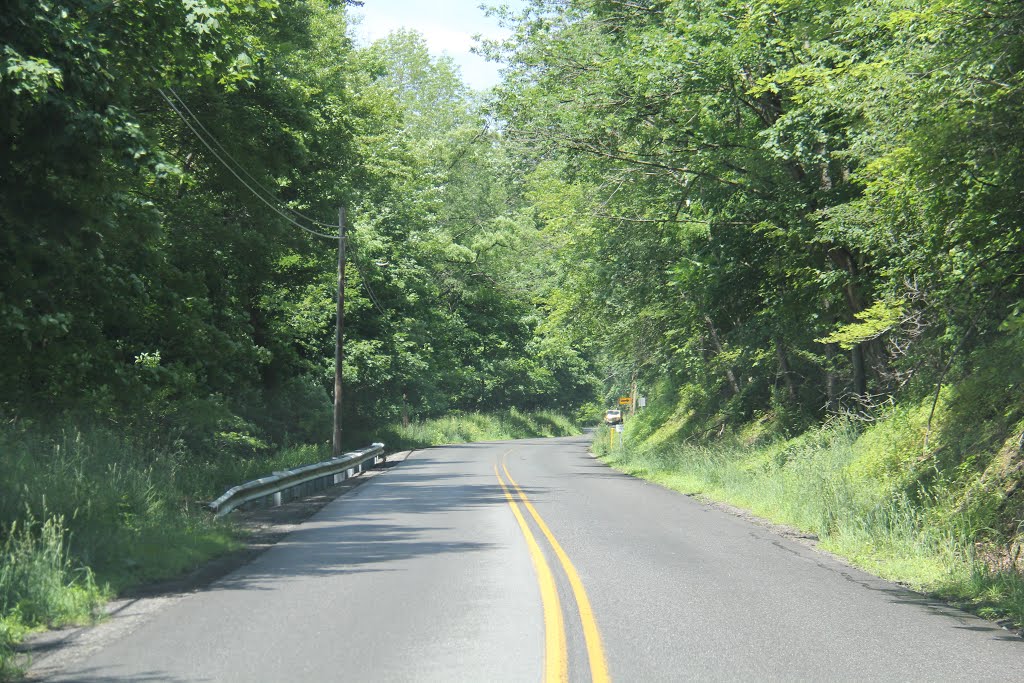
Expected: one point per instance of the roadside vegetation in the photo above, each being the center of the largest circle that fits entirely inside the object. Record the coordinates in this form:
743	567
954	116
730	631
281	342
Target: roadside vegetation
940	518
469	427
171	186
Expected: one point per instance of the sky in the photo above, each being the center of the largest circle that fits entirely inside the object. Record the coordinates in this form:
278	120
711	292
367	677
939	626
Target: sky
448	26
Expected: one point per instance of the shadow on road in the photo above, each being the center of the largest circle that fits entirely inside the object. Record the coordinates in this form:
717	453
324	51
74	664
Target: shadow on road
369	530
163	676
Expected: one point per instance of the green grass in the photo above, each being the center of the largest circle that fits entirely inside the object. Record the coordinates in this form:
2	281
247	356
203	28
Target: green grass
131	514
115	514
858	491
469	427
40	586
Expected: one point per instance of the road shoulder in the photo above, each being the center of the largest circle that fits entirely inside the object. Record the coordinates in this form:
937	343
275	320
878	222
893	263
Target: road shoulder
49	652
811	542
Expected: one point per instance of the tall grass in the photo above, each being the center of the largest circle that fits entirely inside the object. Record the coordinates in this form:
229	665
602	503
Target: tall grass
114	514
469	427
820	483
40	585
132	512
38	579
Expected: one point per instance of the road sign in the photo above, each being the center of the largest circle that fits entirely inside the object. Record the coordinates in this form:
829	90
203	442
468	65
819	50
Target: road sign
643	402
625	401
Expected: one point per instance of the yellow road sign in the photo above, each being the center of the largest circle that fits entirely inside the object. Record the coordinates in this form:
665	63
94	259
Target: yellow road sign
625	401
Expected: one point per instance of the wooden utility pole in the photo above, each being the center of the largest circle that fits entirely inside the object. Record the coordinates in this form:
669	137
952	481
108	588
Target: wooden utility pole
339	343
405	408
633	395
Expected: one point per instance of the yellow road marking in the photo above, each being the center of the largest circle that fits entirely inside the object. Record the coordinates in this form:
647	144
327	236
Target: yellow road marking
591	634
556	666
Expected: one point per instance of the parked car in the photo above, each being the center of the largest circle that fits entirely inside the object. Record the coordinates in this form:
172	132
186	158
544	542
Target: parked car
613	417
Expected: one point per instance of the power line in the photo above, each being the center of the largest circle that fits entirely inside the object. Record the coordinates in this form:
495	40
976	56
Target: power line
257	183
248	175
249	187
274	207
366	286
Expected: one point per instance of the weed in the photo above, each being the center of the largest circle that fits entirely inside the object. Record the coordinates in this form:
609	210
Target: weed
38	579
40	585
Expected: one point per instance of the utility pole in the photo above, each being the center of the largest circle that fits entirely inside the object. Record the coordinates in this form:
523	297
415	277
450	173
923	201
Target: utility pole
339	343
633	395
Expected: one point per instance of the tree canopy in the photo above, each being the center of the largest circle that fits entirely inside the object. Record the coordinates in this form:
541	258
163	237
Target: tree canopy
164	174
799	207
792	206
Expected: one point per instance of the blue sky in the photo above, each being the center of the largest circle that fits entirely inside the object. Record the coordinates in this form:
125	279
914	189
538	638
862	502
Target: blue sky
447	25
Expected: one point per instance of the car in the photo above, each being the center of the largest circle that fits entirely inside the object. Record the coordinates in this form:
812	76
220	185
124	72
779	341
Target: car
613	417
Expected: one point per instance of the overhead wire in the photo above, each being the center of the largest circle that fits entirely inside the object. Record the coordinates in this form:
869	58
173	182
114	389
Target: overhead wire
366	286
273	206
248	175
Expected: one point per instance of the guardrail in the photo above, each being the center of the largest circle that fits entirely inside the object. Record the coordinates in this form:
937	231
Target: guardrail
288	484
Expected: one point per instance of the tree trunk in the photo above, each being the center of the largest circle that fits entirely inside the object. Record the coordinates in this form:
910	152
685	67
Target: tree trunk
860	378
784	370
730	375
830	378
844	259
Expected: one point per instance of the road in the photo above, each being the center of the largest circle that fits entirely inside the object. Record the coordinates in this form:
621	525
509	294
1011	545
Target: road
530	560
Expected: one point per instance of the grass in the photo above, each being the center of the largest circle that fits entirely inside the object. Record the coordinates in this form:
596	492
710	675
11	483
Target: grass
469	427
118	512
41	585
857	491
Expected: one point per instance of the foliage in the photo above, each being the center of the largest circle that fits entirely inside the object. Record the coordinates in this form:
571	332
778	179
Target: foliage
872	323
40	585
38	582
766	213
148	283
773	217
132	510
730	184
471	427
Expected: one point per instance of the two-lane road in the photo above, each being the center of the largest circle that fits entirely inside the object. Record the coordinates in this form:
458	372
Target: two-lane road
530	560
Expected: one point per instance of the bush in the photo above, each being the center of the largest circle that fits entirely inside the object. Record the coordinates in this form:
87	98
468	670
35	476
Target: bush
39	581
40	585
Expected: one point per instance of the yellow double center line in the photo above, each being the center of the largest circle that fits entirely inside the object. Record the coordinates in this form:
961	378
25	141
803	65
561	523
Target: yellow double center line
556	656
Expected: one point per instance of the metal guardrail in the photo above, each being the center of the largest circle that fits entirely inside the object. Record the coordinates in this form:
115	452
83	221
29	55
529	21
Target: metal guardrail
282	486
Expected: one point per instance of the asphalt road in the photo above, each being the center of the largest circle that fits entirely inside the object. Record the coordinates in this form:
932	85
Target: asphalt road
530	560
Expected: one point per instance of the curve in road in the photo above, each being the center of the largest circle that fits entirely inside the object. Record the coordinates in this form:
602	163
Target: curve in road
427	572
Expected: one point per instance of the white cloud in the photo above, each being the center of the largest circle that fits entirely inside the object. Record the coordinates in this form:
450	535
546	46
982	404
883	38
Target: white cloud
447	27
